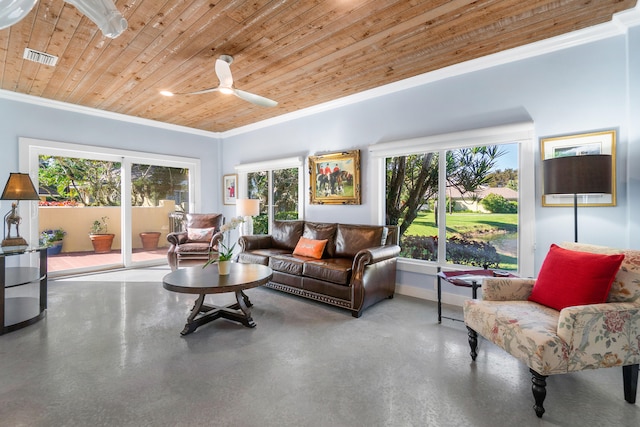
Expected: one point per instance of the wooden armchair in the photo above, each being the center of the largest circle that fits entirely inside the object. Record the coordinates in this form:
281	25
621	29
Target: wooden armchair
564	339
195	244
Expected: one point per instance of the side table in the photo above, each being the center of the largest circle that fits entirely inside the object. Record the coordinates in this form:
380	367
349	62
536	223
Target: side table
468	279
23	297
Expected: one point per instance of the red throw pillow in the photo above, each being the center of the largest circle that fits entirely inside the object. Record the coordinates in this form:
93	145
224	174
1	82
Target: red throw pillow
569	278
310	248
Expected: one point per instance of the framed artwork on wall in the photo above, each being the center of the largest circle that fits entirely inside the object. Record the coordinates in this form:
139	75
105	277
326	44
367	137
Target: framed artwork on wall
229	188
580	145
335	178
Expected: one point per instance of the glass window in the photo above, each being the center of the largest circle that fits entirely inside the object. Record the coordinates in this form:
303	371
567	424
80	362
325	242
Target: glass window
460	203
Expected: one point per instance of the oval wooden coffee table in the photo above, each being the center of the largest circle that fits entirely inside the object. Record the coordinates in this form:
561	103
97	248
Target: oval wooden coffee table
203	281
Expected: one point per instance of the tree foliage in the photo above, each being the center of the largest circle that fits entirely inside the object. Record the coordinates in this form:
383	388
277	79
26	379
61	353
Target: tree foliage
498	204
413	179
98	182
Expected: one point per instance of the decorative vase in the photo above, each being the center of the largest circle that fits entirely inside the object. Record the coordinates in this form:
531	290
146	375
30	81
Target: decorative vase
224	267
55	248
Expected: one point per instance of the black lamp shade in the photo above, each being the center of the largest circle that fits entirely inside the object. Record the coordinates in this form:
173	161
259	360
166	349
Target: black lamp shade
19	187
578	174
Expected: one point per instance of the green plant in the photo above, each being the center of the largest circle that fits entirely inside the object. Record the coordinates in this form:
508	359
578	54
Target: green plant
99	226
225	253
47	237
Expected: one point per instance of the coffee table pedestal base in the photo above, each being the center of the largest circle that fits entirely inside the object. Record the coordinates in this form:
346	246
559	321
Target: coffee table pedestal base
202	313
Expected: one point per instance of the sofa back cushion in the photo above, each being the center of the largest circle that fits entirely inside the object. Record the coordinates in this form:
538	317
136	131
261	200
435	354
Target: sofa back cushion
285	234
626	284
350	239
322	231
201	227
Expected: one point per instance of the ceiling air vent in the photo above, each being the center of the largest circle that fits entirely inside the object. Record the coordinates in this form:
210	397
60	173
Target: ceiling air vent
40	57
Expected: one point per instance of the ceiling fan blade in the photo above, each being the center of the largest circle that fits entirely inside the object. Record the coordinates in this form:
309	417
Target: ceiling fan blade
223	71
255	99
213	89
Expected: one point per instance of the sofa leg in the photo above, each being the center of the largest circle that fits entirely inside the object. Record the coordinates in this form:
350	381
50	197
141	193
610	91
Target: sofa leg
356	314
539	388
630	379
473	342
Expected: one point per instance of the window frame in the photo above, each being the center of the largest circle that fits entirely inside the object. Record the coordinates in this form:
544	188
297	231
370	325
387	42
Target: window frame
521	133
269	166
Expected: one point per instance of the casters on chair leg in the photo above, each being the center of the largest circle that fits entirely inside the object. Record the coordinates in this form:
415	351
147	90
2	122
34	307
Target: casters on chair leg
473	342
539	388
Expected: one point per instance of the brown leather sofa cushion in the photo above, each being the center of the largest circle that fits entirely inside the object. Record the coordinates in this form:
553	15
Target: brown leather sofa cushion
285	234
287	264
322	231
335	270
350	239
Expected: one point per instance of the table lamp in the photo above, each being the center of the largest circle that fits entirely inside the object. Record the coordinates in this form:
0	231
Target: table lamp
247	208
19	187
588	174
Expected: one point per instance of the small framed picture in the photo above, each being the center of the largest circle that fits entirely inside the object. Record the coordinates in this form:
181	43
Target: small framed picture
335	178
230	188
579	145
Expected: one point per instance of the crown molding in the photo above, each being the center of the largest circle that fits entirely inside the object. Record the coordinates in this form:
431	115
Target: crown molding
59	105
619	25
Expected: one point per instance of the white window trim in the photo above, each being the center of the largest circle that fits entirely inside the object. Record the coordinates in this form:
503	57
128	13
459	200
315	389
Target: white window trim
30	149
521	133
270	165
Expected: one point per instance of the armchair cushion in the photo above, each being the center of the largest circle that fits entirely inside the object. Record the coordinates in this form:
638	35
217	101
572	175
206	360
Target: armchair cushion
571	278
200	234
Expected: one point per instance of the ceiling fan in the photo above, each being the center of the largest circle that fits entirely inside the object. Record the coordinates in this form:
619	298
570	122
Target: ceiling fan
223	71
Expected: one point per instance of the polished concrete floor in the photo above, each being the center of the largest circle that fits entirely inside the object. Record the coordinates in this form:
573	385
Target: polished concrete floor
109	353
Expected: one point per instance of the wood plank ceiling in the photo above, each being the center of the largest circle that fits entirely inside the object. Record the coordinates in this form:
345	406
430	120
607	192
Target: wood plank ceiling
300	53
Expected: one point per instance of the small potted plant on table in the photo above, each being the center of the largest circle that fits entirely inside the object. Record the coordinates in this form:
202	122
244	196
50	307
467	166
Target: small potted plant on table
100	238
52	240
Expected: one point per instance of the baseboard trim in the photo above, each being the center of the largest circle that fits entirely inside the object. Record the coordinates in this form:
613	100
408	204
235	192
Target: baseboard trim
431	295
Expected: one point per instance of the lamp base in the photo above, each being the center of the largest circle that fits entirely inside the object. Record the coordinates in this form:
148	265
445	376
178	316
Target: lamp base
14	241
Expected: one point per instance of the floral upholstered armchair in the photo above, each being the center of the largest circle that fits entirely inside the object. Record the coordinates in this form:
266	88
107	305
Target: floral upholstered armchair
197	242
552	334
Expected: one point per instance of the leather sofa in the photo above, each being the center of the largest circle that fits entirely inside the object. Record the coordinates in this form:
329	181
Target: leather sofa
356	270
198	241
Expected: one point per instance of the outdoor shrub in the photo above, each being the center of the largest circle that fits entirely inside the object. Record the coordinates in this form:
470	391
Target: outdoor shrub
459	250
498	204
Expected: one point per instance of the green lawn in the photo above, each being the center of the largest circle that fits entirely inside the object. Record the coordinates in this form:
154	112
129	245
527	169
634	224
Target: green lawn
475	224
464	222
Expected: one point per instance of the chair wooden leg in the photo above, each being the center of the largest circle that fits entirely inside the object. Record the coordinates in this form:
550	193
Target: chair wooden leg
630	379
539	388
473	342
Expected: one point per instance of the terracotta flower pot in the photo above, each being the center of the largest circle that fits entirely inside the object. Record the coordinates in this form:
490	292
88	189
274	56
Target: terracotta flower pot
150	240
101	242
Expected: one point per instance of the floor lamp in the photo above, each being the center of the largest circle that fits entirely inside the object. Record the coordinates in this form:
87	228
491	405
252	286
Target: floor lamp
247	208
19	187
589	174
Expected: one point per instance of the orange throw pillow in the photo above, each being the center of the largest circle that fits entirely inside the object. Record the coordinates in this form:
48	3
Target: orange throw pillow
310	248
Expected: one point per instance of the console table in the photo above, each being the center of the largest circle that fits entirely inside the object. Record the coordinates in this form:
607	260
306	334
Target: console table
23	298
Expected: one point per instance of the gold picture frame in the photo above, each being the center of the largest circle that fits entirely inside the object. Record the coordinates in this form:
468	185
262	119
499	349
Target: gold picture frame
335	178
603	142
229	189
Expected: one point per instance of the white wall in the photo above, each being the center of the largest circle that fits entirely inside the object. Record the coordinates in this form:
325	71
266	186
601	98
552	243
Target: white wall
26	119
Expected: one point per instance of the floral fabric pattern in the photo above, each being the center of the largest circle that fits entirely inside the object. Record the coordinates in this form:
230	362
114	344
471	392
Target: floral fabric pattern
575	338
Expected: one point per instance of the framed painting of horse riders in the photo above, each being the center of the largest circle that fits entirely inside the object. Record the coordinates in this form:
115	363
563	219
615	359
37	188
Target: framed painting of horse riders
335	178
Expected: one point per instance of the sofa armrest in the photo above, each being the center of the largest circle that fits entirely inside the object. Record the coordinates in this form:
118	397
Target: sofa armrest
258	241
216	239
374	255
601	335
507	288
177	238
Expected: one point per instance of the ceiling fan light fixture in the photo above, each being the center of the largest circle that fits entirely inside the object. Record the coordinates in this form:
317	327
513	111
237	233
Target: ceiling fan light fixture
13	11
226	90
166	93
